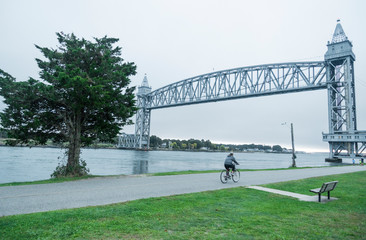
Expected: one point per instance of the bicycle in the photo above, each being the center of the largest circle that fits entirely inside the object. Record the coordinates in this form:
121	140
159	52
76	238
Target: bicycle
235	176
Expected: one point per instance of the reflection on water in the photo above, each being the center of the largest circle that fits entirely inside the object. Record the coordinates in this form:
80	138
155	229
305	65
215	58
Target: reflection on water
140	162
140	167
29	164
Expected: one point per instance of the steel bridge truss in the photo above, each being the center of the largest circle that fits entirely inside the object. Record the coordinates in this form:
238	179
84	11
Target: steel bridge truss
258	81
341	96
223	85
126	140
335	73
241	83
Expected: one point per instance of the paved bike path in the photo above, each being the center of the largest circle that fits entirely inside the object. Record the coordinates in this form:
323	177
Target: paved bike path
107	190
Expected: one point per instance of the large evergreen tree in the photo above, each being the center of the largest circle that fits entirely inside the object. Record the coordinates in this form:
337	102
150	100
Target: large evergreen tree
84	96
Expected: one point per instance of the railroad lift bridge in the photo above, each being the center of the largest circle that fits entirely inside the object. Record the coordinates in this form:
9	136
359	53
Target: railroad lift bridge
335	73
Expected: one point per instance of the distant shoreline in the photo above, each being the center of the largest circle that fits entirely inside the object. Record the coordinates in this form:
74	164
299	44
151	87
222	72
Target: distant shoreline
170	150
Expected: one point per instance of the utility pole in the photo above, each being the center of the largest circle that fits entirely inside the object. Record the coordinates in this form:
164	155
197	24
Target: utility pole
293	147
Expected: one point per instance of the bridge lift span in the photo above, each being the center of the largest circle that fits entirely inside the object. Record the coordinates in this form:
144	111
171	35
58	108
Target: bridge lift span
335	73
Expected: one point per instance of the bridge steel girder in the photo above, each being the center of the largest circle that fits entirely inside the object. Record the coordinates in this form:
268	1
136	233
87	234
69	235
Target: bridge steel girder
241	82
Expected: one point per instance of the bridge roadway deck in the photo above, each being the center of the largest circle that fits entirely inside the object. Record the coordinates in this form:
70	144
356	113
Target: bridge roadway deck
107	190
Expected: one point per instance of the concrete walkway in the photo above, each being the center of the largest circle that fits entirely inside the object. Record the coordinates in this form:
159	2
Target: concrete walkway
301	197
101	191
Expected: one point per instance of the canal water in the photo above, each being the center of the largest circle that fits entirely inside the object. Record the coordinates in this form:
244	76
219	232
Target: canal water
19	164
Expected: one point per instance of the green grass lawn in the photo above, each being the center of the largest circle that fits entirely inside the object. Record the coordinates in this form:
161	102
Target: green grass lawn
236	213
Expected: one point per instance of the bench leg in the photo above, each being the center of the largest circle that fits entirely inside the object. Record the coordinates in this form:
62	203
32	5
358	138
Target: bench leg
328	194
320	197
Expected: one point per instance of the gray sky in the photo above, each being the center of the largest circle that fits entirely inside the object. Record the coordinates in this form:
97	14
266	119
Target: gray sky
174	40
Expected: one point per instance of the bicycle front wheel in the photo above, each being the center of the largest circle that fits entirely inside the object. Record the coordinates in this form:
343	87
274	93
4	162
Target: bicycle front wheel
223	176
236	176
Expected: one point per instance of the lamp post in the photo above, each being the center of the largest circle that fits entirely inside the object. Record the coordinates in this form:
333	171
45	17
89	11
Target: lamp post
293	145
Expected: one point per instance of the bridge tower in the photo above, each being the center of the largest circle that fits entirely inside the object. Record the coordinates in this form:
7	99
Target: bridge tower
142	125
343	135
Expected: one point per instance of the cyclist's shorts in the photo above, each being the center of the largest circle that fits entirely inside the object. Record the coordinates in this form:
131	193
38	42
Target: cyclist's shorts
228	166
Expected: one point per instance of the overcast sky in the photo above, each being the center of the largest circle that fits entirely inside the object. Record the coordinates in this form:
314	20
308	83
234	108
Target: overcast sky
174	40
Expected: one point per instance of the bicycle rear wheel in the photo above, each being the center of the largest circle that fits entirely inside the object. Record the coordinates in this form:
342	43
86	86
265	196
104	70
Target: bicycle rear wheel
223	176
236	176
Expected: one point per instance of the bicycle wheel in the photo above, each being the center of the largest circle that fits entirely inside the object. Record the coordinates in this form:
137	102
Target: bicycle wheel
223	176
236	176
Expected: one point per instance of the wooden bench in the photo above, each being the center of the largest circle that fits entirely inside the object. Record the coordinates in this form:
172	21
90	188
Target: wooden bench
327	187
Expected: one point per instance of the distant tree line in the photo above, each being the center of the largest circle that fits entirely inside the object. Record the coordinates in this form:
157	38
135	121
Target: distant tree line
176	144
195	144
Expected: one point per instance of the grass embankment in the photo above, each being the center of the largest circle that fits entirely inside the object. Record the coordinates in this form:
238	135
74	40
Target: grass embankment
236	213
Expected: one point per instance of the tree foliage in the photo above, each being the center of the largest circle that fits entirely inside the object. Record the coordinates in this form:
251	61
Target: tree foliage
277	148
84	96
155	141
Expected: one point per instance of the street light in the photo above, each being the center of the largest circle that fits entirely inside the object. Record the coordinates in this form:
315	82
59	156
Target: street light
293	145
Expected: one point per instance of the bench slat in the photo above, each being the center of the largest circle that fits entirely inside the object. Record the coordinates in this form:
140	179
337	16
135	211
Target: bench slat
330	187
316	190
326	187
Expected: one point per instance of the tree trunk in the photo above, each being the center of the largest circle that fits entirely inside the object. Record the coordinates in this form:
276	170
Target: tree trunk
73	161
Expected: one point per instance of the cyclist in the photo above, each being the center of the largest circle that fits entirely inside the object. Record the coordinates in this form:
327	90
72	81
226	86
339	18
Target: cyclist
230	162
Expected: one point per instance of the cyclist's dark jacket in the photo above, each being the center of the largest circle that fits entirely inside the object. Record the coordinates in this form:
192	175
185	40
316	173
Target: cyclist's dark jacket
230	160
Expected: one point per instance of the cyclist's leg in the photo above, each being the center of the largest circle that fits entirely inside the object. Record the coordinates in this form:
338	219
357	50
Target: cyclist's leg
227	167
233	167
